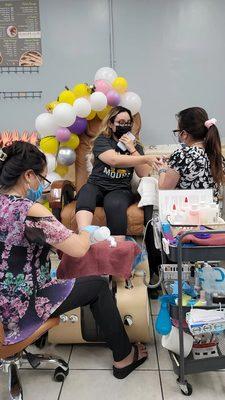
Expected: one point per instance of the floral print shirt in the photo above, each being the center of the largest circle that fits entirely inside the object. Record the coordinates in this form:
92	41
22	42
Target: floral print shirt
28	295
193	166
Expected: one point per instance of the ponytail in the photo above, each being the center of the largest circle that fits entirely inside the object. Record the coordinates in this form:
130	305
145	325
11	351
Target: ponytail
214	152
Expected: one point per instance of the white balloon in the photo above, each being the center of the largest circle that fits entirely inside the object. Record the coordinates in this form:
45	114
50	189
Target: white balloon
45	125
106	73
131	101
64	114
51	162
53	176
98	101
82	107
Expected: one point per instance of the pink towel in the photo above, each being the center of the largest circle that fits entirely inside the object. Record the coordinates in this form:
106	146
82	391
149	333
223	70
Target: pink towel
101	259
214	240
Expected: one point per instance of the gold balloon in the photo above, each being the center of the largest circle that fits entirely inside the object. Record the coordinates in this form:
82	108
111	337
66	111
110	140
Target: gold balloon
72	143
102	114
46	204
81	90
120	84
50	106
67	96
61	169
92	115
49	144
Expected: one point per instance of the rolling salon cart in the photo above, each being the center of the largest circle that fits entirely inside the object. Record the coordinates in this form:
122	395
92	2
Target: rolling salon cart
180	254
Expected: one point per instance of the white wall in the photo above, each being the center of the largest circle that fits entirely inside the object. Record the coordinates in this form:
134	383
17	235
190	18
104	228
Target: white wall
171	51
75	43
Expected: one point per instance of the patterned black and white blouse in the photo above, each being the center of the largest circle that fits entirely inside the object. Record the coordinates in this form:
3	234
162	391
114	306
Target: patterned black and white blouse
193	166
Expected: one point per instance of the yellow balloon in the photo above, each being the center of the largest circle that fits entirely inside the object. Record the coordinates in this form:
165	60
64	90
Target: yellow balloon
81	90
102	114
92	115
61	169
50	106
67	96
49	144
46	204
72	143
120	84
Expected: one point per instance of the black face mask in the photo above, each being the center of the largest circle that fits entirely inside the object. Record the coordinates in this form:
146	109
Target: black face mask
121	130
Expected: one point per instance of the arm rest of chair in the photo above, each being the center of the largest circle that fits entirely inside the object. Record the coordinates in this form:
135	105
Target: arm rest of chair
61	194
2	335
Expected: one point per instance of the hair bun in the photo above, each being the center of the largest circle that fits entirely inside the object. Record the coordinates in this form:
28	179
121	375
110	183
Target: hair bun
17	158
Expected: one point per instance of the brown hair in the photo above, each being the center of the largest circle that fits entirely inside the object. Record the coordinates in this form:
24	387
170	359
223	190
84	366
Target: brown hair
110	118
192	120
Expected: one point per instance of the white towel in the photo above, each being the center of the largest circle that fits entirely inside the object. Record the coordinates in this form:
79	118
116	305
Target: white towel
198	316
148	190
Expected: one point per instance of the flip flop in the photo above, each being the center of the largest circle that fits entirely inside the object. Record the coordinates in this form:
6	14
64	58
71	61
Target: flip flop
121	373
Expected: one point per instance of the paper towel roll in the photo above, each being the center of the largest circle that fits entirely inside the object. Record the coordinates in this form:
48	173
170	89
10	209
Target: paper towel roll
171	342
148	190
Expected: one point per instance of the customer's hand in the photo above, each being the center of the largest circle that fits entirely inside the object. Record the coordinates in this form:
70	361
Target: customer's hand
155	162
160	165
126	140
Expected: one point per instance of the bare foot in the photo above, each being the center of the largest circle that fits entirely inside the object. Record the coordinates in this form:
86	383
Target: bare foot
142	352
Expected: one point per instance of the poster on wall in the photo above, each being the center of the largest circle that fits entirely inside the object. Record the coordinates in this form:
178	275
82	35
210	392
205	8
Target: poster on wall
20	33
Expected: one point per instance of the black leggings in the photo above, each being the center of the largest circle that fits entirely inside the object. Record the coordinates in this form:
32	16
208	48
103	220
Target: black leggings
94	290
115	203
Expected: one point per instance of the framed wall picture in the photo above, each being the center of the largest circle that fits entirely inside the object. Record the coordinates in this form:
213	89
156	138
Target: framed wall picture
20	33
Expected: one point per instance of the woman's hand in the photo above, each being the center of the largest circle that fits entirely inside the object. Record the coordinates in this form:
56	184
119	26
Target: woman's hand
161	165
126	140
155	162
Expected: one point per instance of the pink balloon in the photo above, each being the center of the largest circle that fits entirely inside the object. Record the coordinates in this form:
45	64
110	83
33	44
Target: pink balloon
113	98
62	134
102	86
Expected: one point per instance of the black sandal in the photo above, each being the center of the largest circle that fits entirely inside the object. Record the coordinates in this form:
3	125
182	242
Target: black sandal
121	373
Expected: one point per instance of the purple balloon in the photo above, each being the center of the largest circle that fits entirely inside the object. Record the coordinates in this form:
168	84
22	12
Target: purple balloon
63	134
113	98
78	126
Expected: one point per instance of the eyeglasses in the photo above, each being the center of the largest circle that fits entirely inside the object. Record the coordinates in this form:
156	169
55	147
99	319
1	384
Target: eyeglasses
45	182
177	131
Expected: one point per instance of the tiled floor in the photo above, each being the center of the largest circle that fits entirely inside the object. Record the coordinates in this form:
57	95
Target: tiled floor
91	377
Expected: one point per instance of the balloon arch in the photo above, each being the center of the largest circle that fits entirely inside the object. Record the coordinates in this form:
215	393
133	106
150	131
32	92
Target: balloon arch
67	117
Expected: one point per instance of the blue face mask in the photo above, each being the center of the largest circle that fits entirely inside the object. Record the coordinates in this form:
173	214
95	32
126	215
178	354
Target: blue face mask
34	195
181	142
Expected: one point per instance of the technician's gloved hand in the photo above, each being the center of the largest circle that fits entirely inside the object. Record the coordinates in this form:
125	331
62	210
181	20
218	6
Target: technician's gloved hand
97	233
90	228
